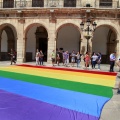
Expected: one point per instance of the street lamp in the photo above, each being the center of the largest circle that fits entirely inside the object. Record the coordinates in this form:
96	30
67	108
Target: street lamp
88	29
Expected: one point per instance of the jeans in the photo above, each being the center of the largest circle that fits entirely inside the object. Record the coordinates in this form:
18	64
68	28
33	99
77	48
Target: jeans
66	62
41	61
93	63
112	63
78	63
98	64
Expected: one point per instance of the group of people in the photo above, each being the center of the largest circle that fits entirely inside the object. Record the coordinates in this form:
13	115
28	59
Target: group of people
65	57
94	59
39	57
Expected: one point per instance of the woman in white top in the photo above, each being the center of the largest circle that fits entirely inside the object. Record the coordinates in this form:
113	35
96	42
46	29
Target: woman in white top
37	57
94	59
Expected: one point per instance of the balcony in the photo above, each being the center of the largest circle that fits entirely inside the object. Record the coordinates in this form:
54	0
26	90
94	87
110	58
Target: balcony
55	3
105	4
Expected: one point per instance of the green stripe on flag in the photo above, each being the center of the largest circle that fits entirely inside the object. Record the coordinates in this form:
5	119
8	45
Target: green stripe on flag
64	84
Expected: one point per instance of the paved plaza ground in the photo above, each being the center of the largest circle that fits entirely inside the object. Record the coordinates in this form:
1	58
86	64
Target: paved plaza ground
111	110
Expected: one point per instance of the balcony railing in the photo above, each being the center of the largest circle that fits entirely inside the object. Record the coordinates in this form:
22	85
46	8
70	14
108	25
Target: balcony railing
105	4
69	3
37	3
55	3
8	3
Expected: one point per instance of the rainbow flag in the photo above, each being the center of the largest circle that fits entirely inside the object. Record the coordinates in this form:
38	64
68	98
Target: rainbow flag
47	93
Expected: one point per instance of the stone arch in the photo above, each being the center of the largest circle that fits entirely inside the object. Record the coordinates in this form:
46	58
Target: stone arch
30	25
74	40
2	26
10	32
108	42
37	38
65	23
111	27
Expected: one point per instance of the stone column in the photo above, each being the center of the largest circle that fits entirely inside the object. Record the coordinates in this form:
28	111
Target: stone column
90	45
83	48
61	3
115	3
45	3
78	3
97	2
118	3
51	41
21	42
117	48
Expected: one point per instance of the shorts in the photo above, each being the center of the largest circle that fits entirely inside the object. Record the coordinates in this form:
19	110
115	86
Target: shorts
53	59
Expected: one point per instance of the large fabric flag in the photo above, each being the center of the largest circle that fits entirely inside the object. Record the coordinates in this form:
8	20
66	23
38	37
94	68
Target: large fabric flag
48	93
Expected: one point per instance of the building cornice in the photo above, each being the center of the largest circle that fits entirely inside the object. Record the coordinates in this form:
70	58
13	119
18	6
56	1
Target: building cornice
61	13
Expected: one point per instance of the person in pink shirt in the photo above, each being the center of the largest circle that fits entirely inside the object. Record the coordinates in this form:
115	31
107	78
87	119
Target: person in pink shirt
87	59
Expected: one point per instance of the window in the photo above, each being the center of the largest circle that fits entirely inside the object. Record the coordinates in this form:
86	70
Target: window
69	3
8	3
105	3
37	3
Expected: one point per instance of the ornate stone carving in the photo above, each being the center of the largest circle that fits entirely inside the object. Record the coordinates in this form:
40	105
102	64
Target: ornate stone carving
21	20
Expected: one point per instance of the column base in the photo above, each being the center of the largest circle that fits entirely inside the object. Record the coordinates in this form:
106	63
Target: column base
20	60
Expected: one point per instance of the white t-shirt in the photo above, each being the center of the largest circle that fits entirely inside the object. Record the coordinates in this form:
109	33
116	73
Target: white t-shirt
37	54
94	57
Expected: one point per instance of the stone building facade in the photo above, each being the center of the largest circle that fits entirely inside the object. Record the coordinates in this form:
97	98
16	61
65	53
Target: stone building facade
27	25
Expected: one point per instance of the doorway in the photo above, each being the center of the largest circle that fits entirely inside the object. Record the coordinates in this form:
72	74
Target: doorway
42	40
43	46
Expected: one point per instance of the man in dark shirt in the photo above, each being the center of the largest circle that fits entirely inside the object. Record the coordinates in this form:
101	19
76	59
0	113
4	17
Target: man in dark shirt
12	56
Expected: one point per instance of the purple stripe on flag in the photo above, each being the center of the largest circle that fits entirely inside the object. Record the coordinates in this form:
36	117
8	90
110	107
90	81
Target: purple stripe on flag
16	107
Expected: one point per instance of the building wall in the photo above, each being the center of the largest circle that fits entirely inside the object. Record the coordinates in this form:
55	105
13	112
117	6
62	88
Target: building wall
27	44
24	21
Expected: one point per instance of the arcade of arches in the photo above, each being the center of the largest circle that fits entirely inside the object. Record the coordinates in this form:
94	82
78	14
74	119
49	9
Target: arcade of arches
68	37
